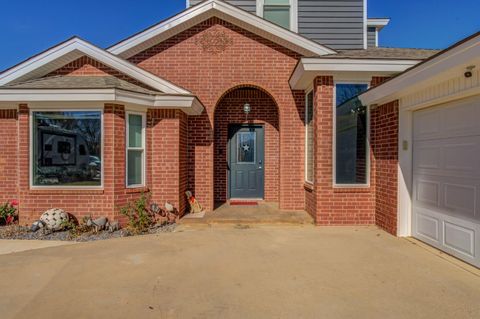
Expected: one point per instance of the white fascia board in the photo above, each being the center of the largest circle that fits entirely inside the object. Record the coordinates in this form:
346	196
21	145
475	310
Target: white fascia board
187	103
311	67
77	46
379	24
452	60
229	13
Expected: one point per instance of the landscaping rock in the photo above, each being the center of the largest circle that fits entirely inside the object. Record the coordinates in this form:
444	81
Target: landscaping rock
54	219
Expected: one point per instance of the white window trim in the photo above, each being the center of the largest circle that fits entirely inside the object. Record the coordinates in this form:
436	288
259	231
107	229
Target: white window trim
30	149
293	13
143	148
334	137
307	92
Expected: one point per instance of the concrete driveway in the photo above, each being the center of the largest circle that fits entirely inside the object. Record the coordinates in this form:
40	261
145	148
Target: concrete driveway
238	272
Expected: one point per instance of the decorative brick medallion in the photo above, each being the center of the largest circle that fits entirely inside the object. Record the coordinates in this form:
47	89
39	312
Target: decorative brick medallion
214	41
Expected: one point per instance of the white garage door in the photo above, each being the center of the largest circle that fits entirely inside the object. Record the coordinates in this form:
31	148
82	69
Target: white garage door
446	178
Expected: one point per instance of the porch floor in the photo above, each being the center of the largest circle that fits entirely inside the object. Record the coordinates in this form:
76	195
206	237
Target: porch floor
263	213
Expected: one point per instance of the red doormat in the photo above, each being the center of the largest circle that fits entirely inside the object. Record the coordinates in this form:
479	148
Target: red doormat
243	203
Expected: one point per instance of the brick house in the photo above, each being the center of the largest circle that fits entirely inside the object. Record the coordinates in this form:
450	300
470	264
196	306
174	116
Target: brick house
253	102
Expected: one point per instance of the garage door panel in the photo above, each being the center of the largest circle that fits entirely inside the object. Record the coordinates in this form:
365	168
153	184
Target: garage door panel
456	119
428	227
450	195
446	178
461	200
448	157
460	239
453	235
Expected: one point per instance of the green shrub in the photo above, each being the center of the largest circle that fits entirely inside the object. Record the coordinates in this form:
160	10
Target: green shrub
140	218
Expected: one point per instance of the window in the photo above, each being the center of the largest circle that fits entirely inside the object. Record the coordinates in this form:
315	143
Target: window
309	137
66	148
246	147
281	12
351	145
135	149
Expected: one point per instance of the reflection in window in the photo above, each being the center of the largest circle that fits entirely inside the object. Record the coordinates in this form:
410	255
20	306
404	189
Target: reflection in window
351	135
278	12
246	147
66	148
135	149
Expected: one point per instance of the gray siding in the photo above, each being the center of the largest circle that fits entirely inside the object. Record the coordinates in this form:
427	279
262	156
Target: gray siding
247	5
335	23
371	37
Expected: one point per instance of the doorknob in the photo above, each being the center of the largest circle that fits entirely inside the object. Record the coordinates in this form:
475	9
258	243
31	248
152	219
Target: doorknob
260	164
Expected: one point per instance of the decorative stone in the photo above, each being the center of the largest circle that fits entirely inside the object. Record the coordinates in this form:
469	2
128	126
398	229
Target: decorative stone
54	218
38	224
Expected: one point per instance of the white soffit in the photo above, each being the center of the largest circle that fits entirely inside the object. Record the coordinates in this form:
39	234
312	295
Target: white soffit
309	68
74	48
216	8
187	103
378	23
451	62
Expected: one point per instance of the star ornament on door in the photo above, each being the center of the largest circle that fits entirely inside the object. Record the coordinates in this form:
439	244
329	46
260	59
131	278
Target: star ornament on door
246	147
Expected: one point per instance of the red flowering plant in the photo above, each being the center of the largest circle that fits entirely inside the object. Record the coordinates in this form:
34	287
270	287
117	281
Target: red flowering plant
8	212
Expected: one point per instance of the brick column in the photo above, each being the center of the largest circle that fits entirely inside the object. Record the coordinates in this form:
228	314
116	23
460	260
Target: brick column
335	205
167	151
8	155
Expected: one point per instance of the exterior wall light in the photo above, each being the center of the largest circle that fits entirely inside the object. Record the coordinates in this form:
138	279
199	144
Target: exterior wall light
247	108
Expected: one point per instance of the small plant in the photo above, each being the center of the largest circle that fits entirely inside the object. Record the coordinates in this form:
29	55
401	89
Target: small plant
140	218
8	212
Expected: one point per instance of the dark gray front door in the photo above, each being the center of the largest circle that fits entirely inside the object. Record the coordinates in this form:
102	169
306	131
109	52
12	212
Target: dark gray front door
246	161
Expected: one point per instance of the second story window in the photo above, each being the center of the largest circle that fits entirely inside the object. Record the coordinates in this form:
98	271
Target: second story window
277	11
281	12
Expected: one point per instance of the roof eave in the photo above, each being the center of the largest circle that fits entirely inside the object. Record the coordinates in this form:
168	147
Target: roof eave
187	103
309	68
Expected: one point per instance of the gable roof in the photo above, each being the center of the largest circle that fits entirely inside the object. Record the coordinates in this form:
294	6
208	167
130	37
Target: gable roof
80	82
74	48
225	11
385	53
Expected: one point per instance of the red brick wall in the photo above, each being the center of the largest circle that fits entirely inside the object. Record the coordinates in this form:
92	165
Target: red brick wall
384	136
8	155
230	111
86	66
78	202
247	59
335	205
167	154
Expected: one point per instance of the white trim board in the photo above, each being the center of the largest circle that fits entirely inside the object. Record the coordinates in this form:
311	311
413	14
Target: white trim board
225	11
309	68
378	23
187	103
72	49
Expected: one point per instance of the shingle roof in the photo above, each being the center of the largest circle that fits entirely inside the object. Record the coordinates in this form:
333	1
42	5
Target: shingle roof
385	53
80	82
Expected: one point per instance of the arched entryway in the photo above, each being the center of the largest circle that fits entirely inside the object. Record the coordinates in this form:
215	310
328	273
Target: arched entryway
247	146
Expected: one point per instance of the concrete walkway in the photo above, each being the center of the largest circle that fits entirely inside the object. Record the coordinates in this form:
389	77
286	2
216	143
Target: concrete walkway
263	213
240	272
8	246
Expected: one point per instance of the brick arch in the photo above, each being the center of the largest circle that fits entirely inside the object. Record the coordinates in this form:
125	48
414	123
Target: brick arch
229	110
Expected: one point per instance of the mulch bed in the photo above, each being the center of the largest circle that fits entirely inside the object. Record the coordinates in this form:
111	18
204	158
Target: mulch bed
23	232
